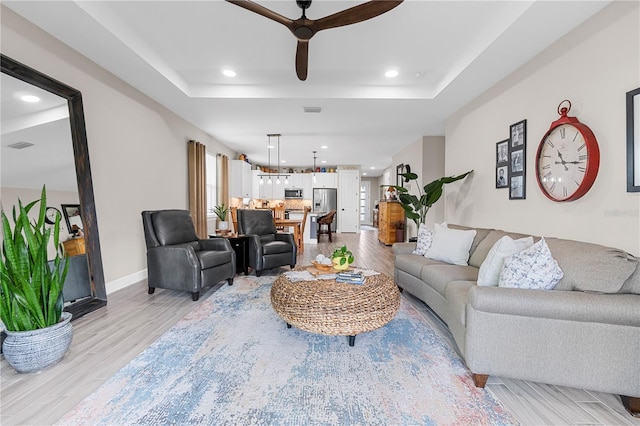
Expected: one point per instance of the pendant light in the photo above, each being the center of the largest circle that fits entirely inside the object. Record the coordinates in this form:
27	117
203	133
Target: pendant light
314	166
269	174
278	178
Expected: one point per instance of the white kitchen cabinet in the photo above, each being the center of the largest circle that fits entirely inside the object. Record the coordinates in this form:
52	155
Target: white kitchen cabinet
255	184
295	181
326	180
240	179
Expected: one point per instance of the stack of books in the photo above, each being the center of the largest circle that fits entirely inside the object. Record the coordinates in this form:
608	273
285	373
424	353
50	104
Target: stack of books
350	277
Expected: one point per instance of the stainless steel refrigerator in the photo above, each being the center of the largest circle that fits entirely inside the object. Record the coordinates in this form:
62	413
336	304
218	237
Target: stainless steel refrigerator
325	200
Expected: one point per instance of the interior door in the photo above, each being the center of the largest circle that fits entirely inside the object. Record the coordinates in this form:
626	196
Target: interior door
349	200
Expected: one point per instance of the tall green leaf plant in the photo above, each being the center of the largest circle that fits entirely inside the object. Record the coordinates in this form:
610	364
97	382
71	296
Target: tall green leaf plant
417	206
30	292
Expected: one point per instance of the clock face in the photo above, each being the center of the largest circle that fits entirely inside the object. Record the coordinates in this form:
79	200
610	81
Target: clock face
565	167
50	215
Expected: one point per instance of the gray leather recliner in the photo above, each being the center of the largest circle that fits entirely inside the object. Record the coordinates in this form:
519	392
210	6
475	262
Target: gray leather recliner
177	259
268	249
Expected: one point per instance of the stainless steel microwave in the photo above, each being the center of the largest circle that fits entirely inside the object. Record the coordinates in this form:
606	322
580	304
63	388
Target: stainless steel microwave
292	193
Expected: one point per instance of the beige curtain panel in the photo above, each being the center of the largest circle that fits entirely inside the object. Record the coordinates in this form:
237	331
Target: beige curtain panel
197	154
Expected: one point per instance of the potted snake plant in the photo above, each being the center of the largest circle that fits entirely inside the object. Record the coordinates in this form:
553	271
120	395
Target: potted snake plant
38	332
222	212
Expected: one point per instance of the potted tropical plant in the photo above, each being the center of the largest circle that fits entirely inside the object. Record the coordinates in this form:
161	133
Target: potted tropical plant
222	211
417	206
38	332
342	258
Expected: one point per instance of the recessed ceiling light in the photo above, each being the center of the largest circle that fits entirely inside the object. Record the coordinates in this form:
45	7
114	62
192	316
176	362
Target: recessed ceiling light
283	161
391	74
30	98
229	73
364	174
324	147
324	161
372	168
270	146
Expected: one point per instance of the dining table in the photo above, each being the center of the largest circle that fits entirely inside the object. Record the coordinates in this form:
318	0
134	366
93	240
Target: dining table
296	224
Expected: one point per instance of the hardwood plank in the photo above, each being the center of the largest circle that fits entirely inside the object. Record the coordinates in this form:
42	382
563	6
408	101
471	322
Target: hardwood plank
604	414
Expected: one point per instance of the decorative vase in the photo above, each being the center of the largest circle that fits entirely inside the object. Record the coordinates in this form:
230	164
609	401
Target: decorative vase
34	350
223	225
337	266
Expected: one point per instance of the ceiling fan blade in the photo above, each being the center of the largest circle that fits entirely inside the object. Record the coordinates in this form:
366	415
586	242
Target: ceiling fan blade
356	14
261	10
302	59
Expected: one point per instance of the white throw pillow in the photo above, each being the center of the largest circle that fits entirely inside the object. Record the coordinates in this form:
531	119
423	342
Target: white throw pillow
532	268
425	237
451	245
489	273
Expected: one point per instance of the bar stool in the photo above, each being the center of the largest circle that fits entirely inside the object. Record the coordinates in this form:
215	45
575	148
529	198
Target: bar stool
324	224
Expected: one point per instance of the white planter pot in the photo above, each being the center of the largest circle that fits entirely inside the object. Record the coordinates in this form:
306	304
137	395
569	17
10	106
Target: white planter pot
223	226
30	351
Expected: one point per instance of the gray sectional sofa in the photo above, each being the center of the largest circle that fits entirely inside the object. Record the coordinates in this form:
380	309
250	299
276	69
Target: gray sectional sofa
584	334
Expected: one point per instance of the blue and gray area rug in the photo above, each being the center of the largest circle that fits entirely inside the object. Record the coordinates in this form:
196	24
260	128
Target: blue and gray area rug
232	361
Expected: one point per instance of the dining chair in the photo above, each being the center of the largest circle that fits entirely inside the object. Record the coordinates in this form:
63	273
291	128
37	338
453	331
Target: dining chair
302	226
278	214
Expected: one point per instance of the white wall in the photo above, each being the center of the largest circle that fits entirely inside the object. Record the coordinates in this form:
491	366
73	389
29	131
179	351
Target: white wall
138	148
593	66
426	158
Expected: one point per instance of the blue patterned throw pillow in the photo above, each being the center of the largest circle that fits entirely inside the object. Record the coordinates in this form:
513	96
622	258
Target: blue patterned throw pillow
532	268
425	238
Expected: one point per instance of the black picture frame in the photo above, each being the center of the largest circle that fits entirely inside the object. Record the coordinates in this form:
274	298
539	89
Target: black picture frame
502	176
400	169
73	218
633	140
518	160
517	187
502	163
518	134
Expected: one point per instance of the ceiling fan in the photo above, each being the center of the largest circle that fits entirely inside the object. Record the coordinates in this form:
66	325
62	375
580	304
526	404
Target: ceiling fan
304	28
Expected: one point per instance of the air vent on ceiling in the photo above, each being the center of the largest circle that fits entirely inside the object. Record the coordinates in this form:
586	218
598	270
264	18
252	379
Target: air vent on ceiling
313	109
20	145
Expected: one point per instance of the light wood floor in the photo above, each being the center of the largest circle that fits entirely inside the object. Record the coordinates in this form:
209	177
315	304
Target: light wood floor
106	340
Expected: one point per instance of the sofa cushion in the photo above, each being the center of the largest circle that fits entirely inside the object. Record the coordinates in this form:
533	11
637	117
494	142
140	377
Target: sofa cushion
591	267
439	275
451	245
456	294
480	253
425	237
532	268
489	273
412	264
481	234
632	285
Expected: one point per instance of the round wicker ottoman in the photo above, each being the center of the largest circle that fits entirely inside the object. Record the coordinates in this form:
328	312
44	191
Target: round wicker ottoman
336	309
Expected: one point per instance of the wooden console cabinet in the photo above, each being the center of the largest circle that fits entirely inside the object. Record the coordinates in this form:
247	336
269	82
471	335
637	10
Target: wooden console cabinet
74	246
389	213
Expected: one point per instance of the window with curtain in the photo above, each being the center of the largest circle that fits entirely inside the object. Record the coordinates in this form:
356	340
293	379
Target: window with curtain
212	190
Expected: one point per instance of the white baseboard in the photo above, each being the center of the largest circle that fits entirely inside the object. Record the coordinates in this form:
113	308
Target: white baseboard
123	282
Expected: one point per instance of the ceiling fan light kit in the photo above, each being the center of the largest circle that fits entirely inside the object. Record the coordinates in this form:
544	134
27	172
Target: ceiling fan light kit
303	29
